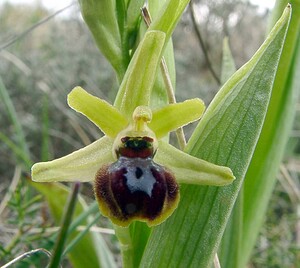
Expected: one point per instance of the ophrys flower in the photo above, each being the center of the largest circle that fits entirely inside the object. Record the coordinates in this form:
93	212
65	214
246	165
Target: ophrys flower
135	172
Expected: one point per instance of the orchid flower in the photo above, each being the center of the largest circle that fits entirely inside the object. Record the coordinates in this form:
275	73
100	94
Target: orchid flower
136	173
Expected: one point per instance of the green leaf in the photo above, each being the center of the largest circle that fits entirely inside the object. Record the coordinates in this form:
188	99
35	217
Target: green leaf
100	112
91	250
227	136
230	245
262	173
100	16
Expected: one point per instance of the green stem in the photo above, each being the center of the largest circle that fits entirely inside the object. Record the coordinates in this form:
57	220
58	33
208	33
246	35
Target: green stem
58	249
123	235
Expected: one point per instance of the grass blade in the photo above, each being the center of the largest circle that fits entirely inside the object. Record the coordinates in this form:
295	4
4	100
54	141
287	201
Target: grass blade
91	250
262	173
14	118
70	208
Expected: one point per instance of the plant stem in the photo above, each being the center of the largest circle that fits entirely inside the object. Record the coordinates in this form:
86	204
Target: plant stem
58	249
123	235
33	27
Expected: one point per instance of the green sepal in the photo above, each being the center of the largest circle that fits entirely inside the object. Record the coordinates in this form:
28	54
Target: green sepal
101	113
137	84
173	116
80	165
192	170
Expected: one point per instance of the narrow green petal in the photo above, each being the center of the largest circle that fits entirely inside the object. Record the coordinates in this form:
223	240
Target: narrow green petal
138	81
191	170
101	113
175	115
80	165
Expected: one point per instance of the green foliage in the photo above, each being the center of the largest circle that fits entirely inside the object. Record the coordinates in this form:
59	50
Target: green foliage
226	135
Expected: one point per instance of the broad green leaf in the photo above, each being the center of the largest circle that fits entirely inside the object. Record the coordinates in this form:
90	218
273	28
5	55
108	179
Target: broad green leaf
100	112
138	81
80	165
166	119
226	135
262	173
91	250
230	244
231	240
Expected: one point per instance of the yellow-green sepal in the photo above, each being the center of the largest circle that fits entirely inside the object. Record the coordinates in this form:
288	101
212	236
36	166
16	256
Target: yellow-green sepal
176	115
80	165
138	81
101	113
192	170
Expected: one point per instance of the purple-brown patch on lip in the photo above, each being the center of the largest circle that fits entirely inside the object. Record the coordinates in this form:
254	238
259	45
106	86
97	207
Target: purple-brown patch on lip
135	189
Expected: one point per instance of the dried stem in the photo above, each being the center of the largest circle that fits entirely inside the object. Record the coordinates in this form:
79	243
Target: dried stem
202	45
30	29
25	255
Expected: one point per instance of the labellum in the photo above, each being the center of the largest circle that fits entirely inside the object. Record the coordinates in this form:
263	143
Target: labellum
135	187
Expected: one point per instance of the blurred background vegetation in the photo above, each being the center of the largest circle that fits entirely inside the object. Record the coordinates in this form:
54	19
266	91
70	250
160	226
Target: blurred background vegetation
38	70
